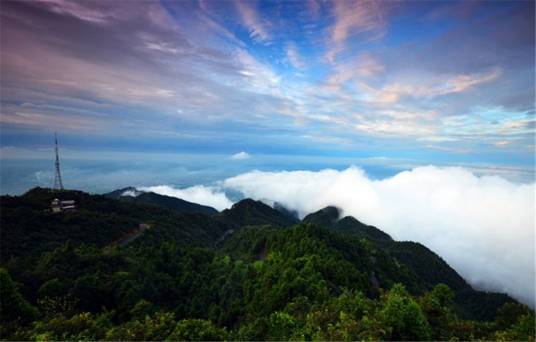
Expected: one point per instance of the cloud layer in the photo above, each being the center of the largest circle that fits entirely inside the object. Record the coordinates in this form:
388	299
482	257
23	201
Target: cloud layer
482	226
197	194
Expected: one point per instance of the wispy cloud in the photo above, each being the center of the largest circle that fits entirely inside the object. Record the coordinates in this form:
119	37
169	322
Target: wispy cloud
77	10
251	20
294	56
353	70
432	87
259	75
198	194
502	143
49	119
351	18
408	125
240	156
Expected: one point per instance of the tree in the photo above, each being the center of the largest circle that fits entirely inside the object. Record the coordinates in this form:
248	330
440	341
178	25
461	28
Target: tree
437	306
402	316
153	328
197	330
281	326
13	306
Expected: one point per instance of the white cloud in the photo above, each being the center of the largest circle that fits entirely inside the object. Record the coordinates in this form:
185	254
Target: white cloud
482	226
502	143
240	156
198	194
131	193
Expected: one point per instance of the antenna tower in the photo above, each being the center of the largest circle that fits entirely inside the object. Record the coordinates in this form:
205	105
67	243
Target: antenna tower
58	184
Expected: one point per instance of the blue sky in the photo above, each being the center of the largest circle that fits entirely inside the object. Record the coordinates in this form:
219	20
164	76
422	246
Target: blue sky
332	83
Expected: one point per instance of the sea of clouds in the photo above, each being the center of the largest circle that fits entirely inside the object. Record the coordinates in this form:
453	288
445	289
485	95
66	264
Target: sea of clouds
483	226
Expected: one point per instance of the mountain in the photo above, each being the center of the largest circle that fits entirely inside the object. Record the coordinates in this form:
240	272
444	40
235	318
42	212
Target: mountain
431	269
428	267
29	226
325	217
249	212
131	194
129	191
115	269
330	217
349	224
286	211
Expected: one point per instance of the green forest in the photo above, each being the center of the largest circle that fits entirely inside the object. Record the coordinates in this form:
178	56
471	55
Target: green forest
250	272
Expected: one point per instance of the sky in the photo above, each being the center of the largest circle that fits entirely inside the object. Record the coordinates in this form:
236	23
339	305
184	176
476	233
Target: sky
441	83
415	116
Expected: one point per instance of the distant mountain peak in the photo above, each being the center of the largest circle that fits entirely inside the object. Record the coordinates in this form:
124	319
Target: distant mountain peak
129	191
330	217
251	212
247	202
325	217
352	225
331	211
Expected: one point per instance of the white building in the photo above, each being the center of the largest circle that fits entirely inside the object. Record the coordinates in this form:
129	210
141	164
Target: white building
60	206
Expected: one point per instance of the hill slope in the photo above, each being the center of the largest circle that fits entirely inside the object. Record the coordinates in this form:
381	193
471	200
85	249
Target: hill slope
30	228
330	217
131	194
428	268
247	273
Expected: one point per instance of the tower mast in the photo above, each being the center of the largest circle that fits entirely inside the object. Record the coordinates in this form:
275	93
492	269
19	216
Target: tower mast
58	184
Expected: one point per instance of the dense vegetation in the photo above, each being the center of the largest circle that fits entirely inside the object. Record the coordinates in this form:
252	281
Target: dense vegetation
248	273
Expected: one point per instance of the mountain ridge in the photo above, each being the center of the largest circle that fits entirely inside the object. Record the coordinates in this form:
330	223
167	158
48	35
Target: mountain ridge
148	197
248	212
330	216
250	263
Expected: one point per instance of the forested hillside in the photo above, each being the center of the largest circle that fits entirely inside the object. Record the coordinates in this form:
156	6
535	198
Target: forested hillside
248	273
131	194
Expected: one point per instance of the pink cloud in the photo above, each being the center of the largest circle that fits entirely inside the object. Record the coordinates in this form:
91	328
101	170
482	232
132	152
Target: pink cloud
361	66
251	20
354	17
428	87
77	10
